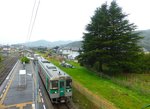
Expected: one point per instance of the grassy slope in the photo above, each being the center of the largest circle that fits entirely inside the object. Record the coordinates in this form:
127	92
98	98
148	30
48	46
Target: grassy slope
137	82
81	101
120	96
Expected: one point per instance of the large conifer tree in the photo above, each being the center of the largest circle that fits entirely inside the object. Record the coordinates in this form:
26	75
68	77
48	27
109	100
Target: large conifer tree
110	40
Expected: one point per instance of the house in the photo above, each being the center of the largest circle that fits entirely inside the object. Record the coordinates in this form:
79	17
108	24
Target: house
6	48
69	52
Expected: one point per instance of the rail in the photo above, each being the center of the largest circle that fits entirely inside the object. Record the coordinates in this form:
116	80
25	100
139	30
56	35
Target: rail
6	66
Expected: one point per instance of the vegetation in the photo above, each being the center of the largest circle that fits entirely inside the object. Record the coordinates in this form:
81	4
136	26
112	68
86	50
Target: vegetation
81	101
110	43
0	58
143	64
135	82
77	44
120	96
146	41
25	59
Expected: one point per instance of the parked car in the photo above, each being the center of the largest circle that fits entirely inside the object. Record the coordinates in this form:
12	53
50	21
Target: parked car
67	65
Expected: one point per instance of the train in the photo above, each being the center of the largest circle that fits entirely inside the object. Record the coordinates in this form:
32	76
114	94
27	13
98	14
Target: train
58	84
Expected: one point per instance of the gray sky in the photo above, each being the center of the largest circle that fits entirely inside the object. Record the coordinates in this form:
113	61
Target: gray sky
60	19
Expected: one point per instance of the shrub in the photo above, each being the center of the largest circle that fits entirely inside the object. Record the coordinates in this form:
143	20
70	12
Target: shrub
25	59
97	66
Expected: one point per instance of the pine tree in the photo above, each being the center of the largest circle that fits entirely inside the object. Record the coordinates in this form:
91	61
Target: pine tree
110	40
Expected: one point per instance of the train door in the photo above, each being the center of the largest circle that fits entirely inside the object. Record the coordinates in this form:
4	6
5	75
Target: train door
62	87
47	83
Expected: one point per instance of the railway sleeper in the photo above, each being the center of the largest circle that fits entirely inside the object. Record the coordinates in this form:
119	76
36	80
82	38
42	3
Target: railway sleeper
60	100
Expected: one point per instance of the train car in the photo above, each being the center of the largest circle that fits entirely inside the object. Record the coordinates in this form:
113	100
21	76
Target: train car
57	82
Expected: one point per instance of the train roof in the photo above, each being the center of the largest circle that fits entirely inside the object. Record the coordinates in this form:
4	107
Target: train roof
52	71
43	60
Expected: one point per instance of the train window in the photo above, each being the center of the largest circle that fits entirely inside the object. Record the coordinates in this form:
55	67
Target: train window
45	61
68	83
51	67
54	84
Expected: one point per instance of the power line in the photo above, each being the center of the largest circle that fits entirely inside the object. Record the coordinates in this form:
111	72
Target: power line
32	20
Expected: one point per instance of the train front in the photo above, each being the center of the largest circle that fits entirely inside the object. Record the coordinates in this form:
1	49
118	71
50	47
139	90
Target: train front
61	90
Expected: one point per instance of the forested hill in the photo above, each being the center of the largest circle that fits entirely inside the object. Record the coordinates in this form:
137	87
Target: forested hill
77	44
146	41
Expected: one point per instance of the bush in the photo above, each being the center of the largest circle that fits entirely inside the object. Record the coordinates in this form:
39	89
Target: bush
97	66
25	59
145	63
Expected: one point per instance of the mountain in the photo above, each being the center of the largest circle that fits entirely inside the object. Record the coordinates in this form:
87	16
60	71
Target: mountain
37	43
77	44
45	43
145	42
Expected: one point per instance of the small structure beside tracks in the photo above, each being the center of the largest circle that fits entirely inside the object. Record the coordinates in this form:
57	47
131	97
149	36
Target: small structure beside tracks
22	78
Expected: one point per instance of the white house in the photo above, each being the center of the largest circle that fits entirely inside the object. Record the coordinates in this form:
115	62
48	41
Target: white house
71	53
6	49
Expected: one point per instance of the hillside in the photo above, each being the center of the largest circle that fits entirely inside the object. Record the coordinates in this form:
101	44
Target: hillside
45	43
123	93
77	44
146	41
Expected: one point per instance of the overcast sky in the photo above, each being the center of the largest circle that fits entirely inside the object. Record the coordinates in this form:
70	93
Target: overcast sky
60	19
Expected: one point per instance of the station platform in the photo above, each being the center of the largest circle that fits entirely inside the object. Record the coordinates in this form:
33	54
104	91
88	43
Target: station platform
15	94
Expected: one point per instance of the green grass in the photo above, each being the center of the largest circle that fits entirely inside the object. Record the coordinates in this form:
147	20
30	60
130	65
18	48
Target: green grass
137	82
122	97
81	101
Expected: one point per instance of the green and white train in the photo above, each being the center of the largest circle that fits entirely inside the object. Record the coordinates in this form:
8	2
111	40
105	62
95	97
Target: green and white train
57	82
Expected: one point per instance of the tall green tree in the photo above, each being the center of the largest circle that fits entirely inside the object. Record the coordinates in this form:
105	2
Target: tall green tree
110	40
0	58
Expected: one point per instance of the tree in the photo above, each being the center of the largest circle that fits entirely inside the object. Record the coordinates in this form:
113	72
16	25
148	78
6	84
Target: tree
0	58
25	59
110	40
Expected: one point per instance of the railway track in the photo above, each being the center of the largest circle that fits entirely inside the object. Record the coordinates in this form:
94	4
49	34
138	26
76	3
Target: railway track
5	67
68	105
47	100
48	103
62	106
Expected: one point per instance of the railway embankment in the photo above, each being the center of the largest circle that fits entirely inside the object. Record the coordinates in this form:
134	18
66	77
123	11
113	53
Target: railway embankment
98	102
104	92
